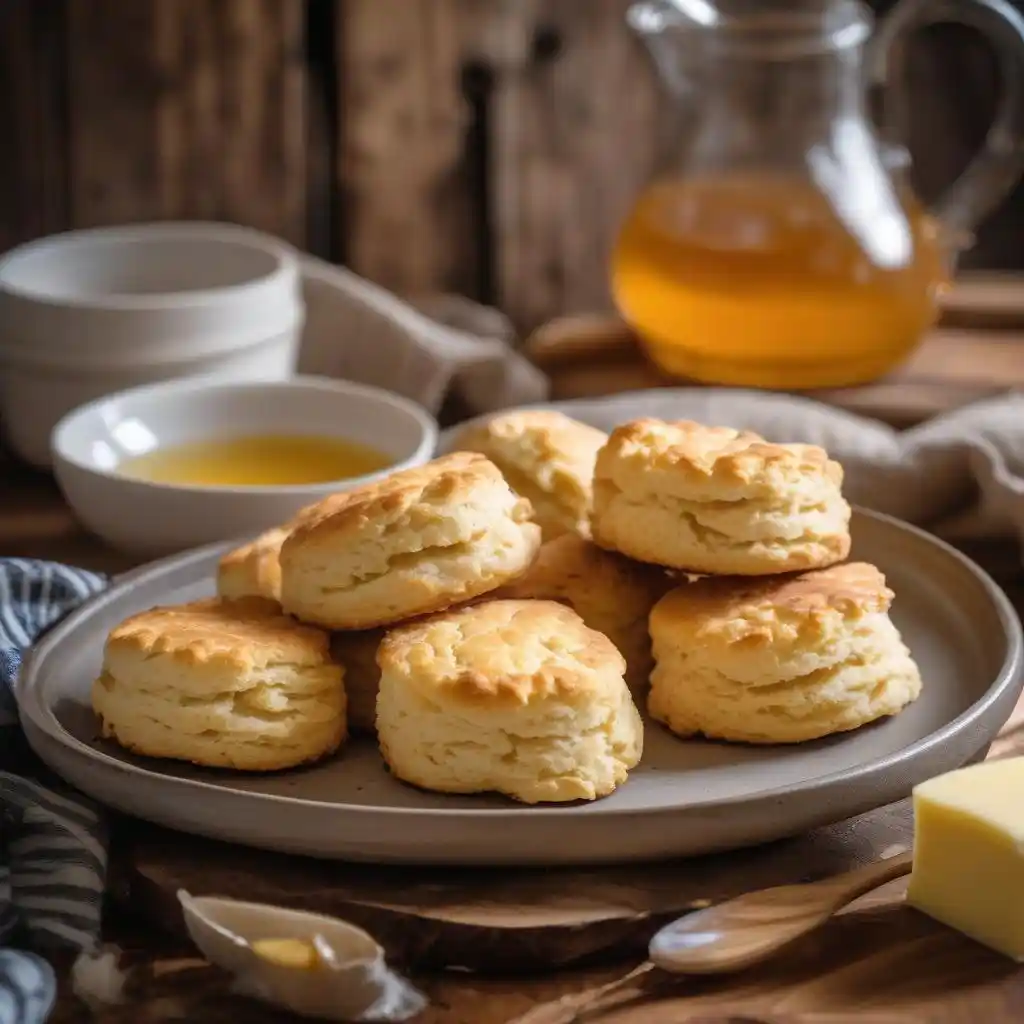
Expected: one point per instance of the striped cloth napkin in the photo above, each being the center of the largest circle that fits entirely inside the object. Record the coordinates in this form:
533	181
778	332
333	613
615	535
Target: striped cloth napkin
52	843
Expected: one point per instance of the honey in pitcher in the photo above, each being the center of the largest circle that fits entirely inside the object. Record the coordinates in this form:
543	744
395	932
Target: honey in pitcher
771	283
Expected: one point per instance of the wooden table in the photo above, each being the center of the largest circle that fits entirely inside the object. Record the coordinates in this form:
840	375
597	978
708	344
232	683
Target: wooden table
872	965
870	962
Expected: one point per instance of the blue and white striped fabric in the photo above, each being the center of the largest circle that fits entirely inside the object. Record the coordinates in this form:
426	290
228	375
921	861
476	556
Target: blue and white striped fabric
53	854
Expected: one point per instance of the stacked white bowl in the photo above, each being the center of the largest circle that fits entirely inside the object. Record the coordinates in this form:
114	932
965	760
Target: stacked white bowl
88	313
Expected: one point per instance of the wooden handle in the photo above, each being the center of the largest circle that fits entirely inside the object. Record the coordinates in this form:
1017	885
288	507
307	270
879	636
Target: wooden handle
740	932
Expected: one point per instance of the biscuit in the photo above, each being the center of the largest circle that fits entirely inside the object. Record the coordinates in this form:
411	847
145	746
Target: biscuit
221	683
611	594
254	569
356	652
779	660
415	542
547	458
718	501
513	697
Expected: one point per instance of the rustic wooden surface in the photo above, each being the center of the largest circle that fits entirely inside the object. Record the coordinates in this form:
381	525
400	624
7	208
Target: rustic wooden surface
192	109
506	921
977	353
880	962
429	144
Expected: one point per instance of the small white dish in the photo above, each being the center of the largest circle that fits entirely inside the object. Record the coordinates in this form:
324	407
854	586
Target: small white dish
350	980
87	313
148	518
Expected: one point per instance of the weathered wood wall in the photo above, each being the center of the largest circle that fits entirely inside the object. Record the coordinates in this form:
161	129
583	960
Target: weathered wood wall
483	146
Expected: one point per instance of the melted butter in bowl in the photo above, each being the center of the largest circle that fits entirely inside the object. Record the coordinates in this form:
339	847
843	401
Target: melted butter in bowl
259	460
191	461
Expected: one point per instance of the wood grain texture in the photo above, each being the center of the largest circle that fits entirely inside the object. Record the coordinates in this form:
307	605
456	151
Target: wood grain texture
33	185
497	921
193	109
575	134
405	201
437	145
758	925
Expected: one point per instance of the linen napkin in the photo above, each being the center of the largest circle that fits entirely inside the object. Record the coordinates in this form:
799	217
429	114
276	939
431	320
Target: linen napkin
444	344
52	845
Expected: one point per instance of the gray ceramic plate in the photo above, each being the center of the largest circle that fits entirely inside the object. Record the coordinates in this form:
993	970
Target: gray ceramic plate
685	798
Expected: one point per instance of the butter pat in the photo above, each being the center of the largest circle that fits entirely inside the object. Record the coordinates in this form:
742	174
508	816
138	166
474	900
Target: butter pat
298	954
969	853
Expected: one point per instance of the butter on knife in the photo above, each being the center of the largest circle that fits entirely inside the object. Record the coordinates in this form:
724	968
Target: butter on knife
969	853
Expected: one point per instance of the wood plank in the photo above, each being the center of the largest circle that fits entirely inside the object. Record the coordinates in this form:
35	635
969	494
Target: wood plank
574	135
587	356
192	109
33	184
408	213
993	300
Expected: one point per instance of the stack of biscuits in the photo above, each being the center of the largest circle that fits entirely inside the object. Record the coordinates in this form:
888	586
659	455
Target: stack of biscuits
495	617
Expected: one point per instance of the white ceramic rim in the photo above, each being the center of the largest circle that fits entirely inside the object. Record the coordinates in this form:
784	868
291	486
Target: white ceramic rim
1007	678
184	386
286	258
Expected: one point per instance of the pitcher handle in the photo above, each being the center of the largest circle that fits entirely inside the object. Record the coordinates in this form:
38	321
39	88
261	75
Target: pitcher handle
997	168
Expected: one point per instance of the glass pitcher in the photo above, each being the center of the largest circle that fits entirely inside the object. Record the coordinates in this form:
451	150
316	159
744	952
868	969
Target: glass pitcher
782	246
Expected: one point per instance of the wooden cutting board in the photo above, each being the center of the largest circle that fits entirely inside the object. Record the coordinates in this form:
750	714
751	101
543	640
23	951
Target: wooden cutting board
977	352
493	919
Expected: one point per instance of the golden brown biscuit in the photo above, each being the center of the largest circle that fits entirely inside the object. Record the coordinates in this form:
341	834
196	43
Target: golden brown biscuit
415	542
546	457
719	501
356	651
221	683
612	594
253	570
513	697
779	660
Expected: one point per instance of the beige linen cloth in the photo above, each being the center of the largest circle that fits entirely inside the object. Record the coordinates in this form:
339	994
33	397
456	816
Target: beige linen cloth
960	475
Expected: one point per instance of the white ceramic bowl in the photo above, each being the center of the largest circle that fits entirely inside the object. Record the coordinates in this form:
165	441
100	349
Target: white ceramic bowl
88	313
146	518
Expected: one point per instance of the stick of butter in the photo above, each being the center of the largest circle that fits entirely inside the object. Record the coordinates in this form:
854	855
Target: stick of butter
969	853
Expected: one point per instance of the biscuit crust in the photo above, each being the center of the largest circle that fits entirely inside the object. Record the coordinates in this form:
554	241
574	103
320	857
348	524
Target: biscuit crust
612	594
546	457
416	542
514	697
779	660
221	683
719	501
254	569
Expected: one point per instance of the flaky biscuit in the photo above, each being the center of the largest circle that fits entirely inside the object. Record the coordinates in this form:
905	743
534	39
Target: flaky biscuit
612	594
254	569
356	652
415	542
546	457
719	501
513	697
221	683
779	660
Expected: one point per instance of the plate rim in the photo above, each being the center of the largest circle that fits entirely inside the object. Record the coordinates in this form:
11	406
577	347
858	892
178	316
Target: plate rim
1010	673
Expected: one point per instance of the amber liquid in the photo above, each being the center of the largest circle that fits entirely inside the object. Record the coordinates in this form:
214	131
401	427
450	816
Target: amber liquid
256	461
761	283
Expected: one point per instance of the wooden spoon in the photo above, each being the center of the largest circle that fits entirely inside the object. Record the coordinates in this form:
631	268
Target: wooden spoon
751	928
